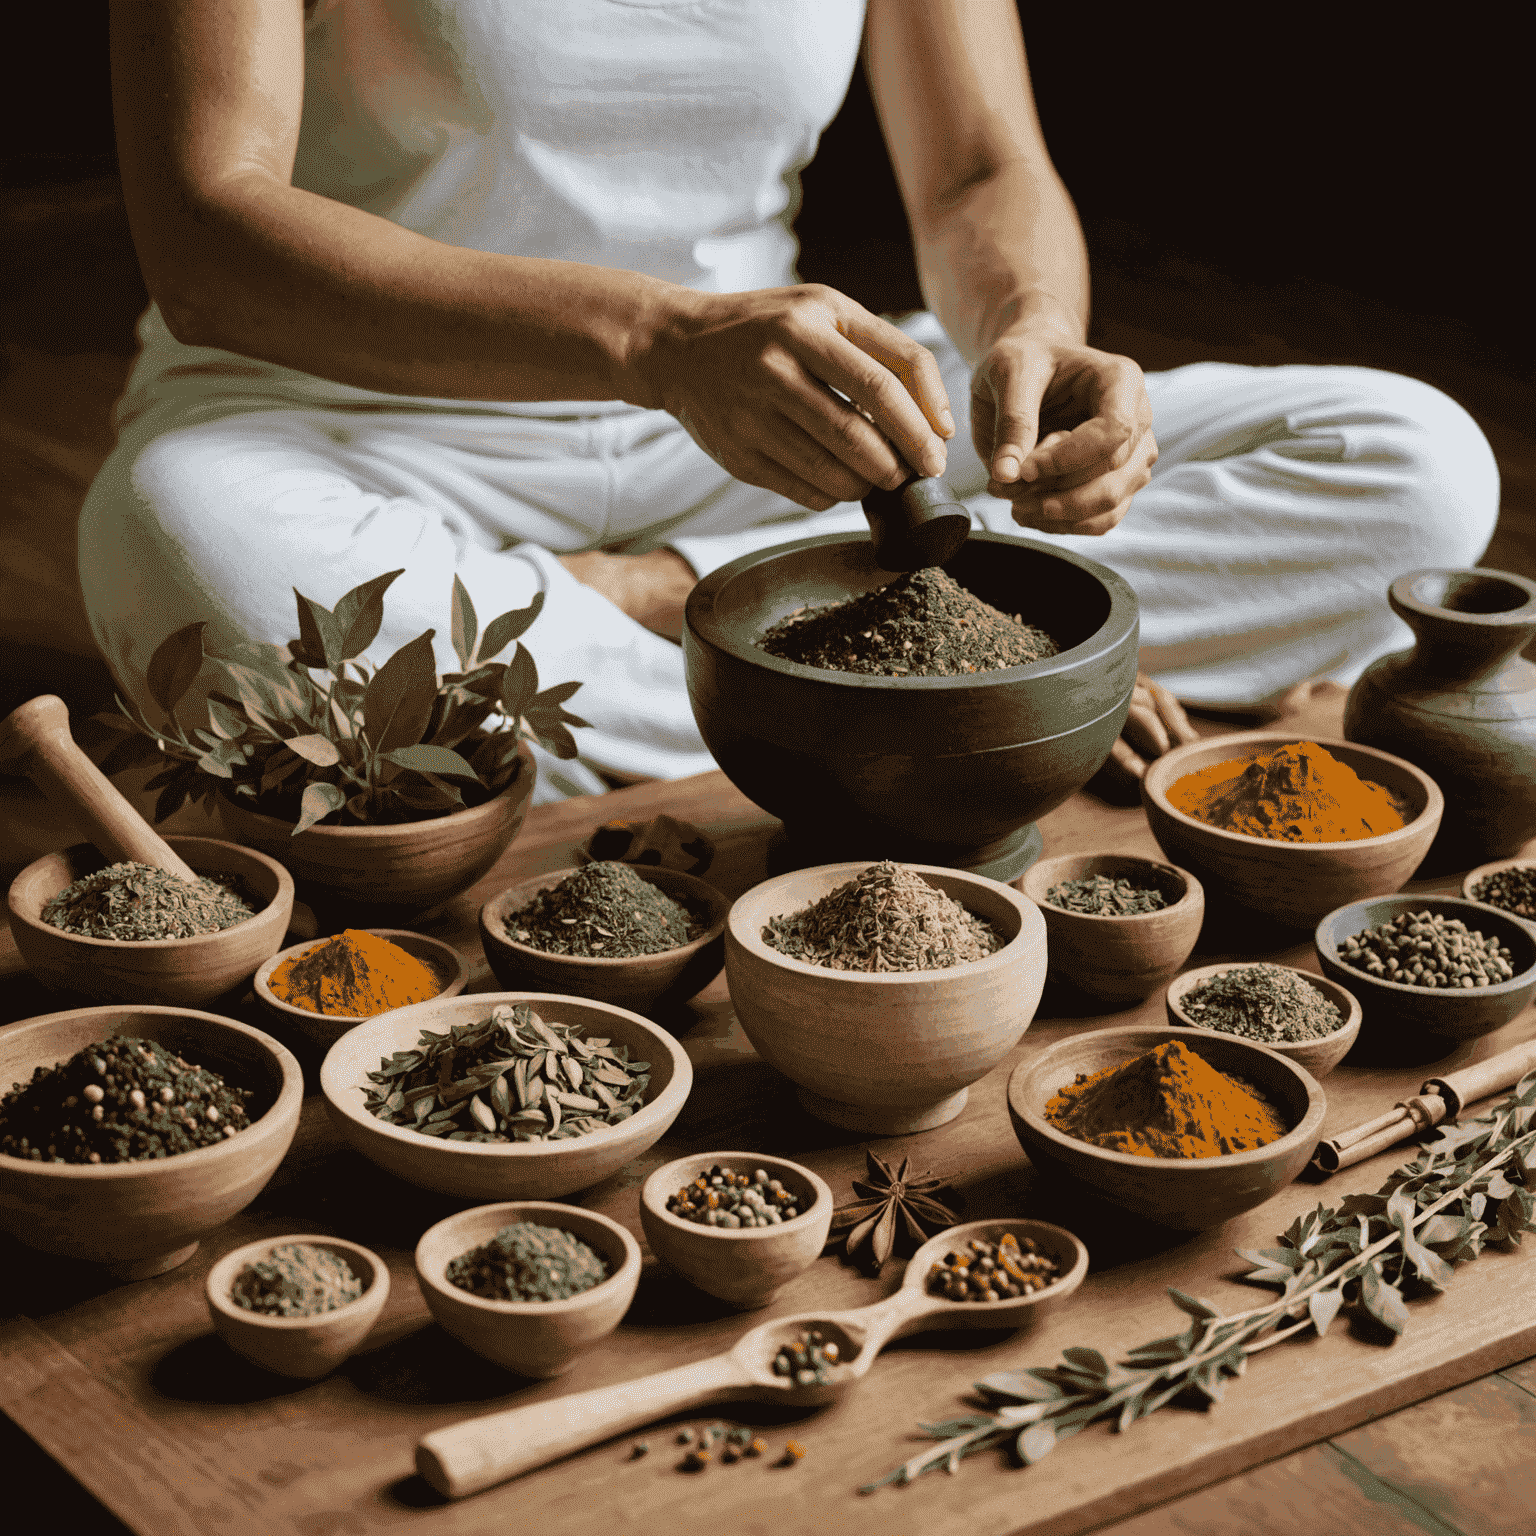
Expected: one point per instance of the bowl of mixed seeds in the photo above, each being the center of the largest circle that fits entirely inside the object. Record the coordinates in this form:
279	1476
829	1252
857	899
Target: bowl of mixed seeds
505	1095
130	933
1508	884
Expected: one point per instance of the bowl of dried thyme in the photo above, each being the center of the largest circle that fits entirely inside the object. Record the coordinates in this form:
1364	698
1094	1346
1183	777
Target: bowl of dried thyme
1118	926
505	1095
642	937
128	933
883	991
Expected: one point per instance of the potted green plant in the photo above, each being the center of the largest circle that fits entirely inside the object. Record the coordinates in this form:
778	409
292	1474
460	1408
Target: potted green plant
382	787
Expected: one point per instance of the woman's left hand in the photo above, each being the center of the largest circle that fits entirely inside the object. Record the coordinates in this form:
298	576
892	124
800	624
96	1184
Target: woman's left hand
1065	431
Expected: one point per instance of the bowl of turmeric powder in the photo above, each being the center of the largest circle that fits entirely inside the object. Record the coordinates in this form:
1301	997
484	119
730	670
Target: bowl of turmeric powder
1291	829
1184	1126
324	987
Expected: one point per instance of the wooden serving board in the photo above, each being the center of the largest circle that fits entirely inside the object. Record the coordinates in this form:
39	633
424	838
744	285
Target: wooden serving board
127	1387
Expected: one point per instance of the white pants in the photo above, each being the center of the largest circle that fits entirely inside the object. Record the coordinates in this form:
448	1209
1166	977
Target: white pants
1284	501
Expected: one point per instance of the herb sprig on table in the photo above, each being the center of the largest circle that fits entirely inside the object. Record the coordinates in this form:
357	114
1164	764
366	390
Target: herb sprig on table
1471	1184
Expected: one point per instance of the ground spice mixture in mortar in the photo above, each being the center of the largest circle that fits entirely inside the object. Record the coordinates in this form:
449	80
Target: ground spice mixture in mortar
885	919
132	902
1267	1003
923	624
527	1262
296	1280
604	911
121	1100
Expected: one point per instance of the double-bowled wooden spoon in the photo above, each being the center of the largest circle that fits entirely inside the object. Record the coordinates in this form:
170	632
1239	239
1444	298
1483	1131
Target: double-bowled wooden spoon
477	1453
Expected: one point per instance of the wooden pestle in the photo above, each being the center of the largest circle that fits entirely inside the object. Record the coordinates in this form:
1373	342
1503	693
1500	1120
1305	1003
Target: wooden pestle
35	742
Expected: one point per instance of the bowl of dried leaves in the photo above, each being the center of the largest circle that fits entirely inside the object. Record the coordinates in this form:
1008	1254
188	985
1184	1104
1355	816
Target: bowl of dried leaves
884	990
505	1095
1118	926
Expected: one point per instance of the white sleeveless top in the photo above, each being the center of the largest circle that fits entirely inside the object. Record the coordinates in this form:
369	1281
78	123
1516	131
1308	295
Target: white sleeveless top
656	136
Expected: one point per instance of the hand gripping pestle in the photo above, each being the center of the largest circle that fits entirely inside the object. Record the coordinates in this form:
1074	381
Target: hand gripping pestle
35	743
920	523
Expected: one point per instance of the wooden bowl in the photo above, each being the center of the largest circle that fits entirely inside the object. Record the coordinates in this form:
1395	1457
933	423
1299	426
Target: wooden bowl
642	982
470	1170
533	1338
1394	1012
1117	959
325	1029
746	1266
1188	1194
1498	866
305	1347
1319	1057
884	1052
1293	883
388	873
184	972
144	1218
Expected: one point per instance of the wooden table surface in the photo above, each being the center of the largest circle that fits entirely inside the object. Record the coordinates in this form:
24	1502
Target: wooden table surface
130	1392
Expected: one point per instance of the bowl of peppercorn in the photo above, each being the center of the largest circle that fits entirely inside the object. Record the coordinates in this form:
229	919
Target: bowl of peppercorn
642	937
131	1132
1436	967
127	933
1508	884
738	1225
526	1283
1117	926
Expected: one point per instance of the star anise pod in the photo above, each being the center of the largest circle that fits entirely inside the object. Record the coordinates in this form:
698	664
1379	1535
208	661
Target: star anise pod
893	1205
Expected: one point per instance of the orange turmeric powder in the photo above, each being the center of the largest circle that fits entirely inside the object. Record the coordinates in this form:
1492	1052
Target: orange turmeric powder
355	975
1167	1102
1299	793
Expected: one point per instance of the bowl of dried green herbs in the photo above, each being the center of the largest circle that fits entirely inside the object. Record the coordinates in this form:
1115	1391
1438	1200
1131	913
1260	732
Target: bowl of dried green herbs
505	1095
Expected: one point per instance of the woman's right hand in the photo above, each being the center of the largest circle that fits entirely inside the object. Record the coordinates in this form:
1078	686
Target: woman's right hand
751	376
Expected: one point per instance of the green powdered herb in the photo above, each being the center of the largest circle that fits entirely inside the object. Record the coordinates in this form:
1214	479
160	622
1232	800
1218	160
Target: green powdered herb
121	1100
510	1077
296	1280
527	1262
1103	896
923	624
885	919
1267	1003
604	911
133	902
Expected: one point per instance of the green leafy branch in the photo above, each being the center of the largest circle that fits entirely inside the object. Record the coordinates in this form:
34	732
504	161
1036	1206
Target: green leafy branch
315	732
1470	1185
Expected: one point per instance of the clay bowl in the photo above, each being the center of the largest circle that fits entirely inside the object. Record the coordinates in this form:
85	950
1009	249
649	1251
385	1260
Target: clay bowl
886	1052
744	1266
387	874
1292	883
326	1029
1118	960
184	972
925	770
1188	1194
305	1347
1319	1057
642	982
144	1218
533	1338
1498	866
1398	1014
531	1170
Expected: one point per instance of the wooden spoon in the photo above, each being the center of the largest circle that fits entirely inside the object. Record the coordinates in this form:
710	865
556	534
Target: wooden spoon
35	742
477	1453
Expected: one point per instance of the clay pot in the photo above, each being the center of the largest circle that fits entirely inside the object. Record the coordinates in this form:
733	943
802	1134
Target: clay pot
1462	705
924	770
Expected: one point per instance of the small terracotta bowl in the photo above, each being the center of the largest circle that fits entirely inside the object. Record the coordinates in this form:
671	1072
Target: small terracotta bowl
641	982
182	972
1188	1194
305	1347
1319	1057
1117	959
325	1029
1394	1011
1477	876
744	1266
533	1338
1293	883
